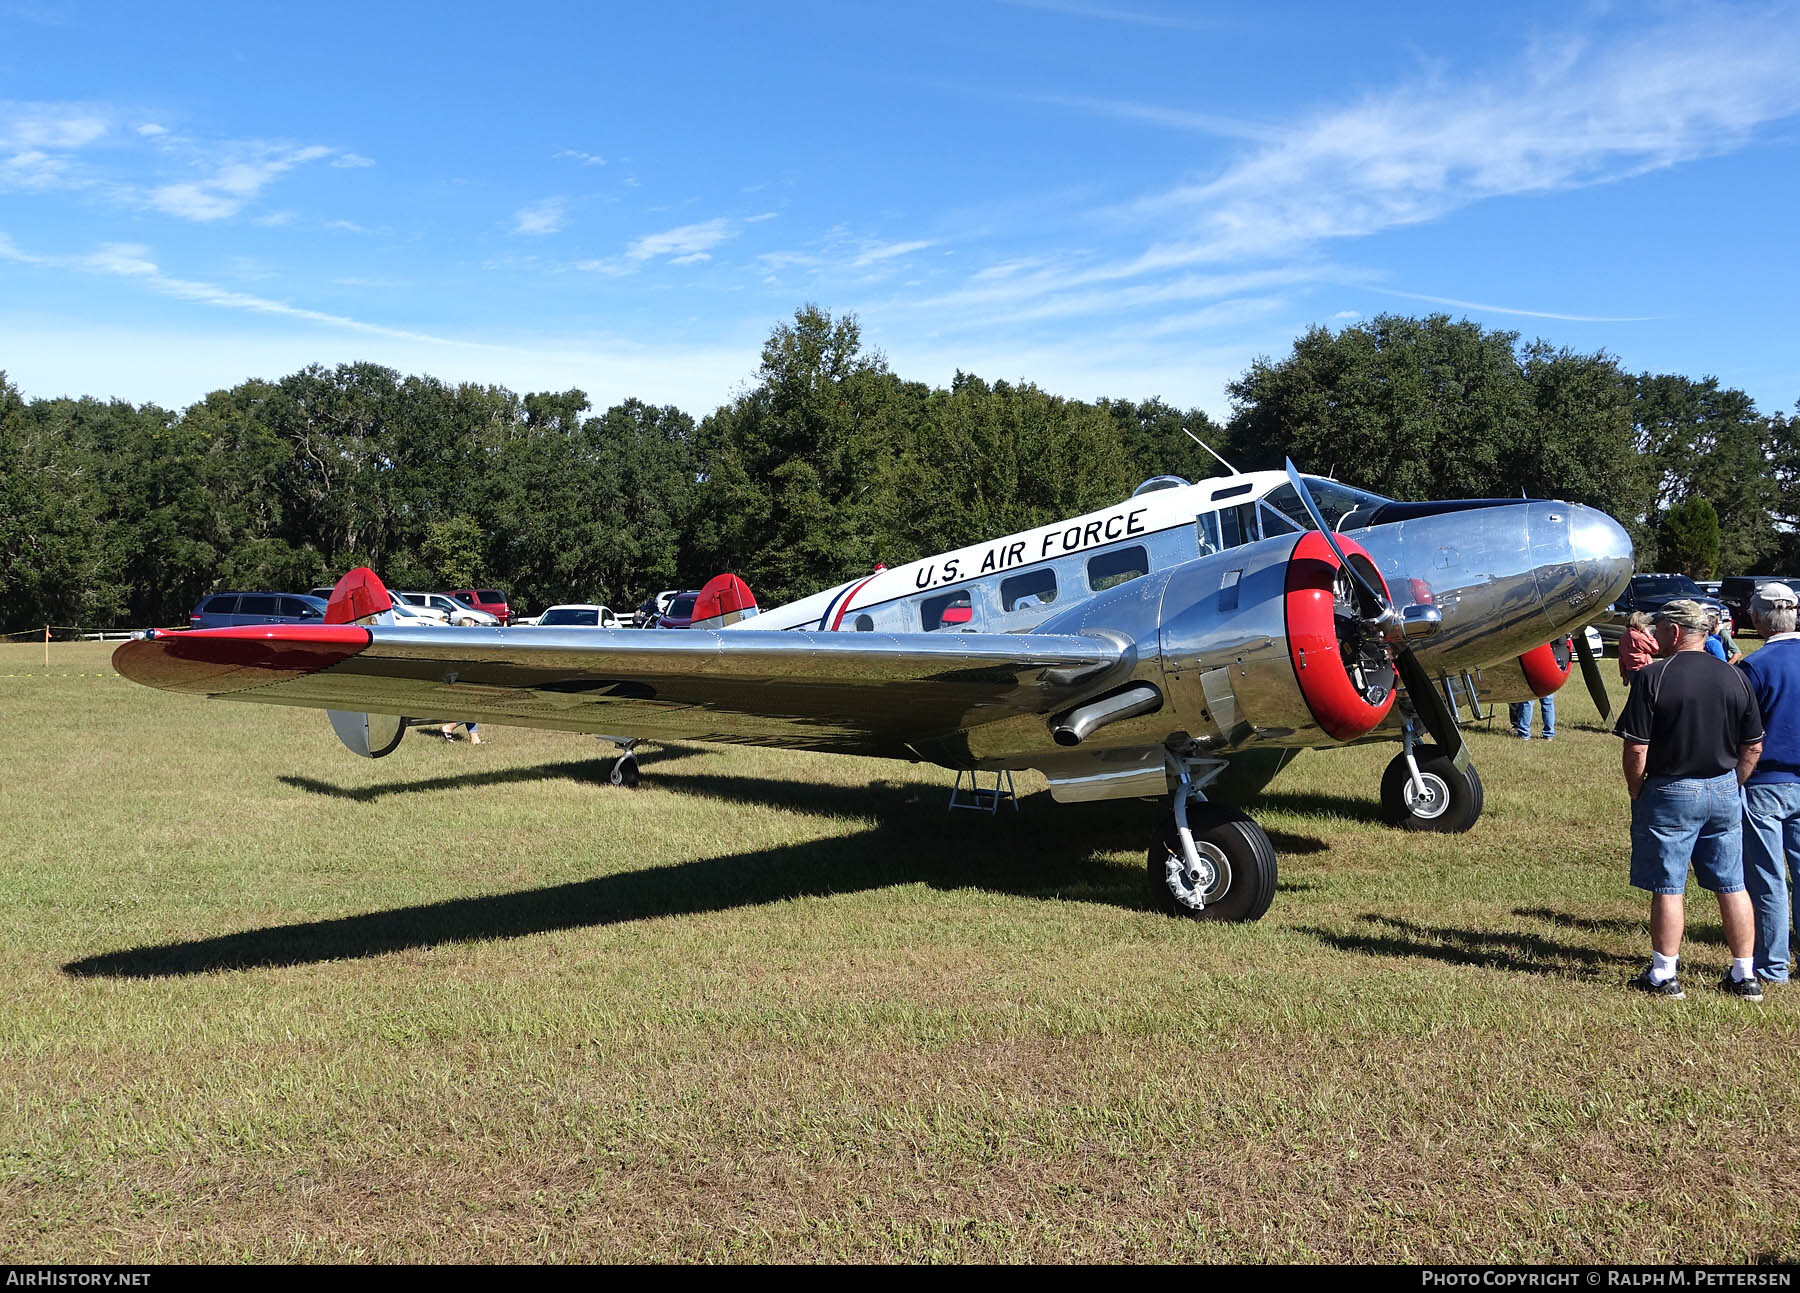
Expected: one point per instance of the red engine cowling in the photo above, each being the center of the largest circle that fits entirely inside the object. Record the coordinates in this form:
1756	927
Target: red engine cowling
1347	685
1548	667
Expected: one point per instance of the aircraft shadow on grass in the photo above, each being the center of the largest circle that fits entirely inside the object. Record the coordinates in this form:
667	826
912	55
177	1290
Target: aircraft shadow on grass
593	770
1038	855
1514	950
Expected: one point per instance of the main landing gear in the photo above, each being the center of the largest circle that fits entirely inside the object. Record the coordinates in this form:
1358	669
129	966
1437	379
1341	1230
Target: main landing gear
625	767
1424	790
1209	862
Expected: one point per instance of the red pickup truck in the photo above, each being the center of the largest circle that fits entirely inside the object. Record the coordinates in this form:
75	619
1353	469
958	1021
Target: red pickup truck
491	600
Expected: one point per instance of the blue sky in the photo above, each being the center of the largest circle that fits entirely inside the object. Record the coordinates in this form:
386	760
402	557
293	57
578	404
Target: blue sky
1106	198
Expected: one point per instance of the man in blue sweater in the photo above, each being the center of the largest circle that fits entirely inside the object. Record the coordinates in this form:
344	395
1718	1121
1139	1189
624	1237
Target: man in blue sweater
1772	794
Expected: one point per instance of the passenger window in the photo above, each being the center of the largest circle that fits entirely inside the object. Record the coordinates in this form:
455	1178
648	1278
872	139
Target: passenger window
257	606
1239	525
1022	592
863	624
1110	569
1207	526
222	605
951	611
293	608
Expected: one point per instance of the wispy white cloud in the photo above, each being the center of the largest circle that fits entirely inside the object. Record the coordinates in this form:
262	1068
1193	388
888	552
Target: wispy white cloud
1506	309
1575	112
887	251
1198	123
52	127
234	184
692	258
1112	13
683	241
1568	113
33	169
576	155
351	161
760	217
545	216
132	261
80	145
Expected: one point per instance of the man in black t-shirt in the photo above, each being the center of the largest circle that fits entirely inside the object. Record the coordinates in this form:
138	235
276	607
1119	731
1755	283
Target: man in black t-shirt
1692	734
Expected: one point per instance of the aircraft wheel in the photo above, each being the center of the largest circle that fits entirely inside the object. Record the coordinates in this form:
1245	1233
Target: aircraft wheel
1237	880
1452	800
625	771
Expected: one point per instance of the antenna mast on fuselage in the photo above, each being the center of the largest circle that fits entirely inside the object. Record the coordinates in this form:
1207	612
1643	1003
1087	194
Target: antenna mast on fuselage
1214	452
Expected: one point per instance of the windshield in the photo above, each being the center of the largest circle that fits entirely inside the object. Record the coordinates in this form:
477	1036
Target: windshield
1334	499
683	607
571	615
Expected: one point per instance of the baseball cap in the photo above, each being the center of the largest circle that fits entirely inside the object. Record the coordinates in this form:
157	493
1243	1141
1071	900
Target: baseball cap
1686	612
1774	595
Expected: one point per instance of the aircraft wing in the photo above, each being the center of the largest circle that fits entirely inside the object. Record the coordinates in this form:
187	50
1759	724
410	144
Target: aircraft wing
864	693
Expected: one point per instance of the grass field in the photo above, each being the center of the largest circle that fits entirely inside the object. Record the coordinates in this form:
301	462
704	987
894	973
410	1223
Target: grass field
269	1001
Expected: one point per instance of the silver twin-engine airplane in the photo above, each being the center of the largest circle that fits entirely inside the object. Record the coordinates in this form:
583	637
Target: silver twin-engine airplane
1184	644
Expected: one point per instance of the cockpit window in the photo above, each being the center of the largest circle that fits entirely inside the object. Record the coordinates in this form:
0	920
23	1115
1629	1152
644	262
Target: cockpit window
1335	501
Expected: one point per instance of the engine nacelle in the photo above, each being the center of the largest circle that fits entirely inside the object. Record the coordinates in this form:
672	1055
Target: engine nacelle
1540	672
1264	642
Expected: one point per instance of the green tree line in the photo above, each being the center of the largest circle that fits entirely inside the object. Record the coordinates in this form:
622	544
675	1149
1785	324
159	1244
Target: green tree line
117	514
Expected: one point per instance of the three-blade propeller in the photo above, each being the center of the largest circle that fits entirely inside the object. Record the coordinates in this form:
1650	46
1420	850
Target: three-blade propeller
1374	609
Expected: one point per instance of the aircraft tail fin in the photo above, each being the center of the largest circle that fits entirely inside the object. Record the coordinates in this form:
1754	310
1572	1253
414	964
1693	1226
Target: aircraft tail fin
724	601
358	598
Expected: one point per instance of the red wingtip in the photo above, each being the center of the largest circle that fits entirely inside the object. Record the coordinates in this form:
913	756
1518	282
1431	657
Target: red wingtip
358	595
726	599
212	662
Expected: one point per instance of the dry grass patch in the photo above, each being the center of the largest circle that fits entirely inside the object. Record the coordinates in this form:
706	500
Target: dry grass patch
268	1001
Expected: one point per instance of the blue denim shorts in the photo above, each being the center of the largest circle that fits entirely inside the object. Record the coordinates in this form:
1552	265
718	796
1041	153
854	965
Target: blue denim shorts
1676	819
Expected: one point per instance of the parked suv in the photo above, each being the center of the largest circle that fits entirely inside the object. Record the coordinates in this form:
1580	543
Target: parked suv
491	600
1650	593
231	610
1737	591
680	614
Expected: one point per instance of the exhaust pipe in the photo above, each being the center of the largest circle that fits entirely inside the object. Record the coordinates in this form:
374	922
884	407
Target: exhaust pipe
1074	726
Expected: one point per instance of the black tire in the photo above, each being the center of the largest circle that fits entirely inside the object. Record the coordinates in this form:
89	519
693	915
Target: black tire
625	771
1235	845
1454	802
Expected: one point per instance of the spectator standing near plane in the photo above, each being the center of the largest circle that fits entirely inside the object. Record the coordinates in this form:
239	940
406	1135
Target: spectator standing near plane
1719	643
1772	795
1692	733
1637	647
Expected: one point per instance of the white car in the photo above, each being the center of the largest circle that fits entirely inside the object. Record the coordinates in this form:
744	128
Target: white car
456	612
406	614
576	615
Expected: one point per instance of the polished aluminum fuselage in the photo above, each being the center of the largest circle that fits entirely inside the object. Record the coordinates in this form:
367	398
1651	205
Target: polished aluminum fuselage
1212	632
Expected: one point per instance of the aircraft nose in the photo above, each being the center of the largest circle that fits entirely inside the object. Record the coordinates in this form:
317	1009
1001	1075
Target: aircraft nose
1598	565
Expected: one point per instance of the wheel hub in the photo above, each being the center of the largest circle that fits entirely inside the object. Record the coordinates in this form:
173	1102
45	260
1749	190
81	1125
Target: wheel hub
1433	803
1195	888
